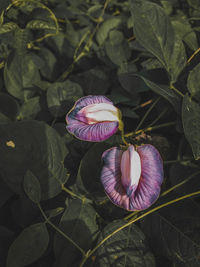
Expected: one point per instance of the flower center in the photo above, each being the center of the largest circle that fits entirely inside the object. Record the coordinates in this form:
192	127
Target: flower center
130	170
95	113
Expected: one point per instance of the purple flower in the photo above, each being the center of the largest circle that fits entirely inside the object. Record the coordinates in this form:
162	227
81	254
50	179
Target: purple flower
132	178
93	118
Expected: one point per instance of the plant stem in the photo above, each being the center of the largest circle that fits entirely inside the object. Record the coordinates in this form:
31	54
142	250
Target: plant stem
149	129
59	231
176	90
89	253
147	113
70	192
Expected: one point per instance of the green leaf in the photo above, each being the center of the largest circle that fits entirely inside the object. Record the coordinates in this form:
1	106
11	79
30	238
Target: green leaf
19	73
6	238
154	31
8	106
88	179
166	92
127	248
194	3
29	109
40	25
129	113
94	81
183	28
193	82
54	212
117	48
32	187
34	146
28	246
105	27
173	232
79	223
61	96
191	124
8	27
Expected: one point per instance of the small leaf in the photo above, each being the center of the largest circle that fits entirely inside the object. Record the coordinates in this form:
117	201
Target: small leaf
191	124
105	27
8	27
40	25
28	246
32	187
61	97
126	248
30	108
193	82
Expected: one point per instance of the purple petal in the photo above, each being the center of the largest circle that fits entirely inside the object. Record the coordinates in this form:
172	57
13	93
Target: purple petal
148	189
93	132
111	177
96	132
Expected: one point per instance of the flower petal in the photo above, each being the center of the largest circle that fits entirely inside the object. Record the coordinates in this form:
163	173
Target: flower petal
148	189
130	170
78	125
85	101
111	177
93	132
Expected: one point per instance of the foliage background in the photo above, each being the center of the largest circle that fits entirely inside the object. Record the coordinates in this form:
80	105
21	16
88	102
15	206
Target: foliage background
144	56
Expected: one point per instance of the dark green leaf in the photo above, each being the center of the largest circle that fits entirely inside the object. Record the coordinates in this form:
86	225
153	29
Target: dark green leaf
35	146
6	238
165	92
8	106
54	212
128	112
28	246
5	192
174	233
127	248
61	96
32	187
193	82
105	27
79	223
154	31
20	72
191	124
88	179
29	109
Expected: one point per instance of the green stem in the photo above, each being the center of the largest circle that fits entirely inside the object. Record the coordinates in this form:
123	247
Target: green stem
149	129
59	231
147	113
70	192
158	118
89	253
176	90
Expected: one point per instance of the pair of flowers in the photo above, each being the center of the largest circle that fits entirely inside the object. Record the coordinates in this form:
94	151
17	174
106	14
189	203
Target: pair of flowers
132	177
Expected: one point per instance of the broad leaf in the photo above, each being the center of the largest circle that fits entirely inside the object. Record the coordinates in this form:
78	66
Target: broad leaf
19	73
193	82
35	146
28	246
8	27
32	187
127	248
8	106
191	124
79	223
154	31
174	233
